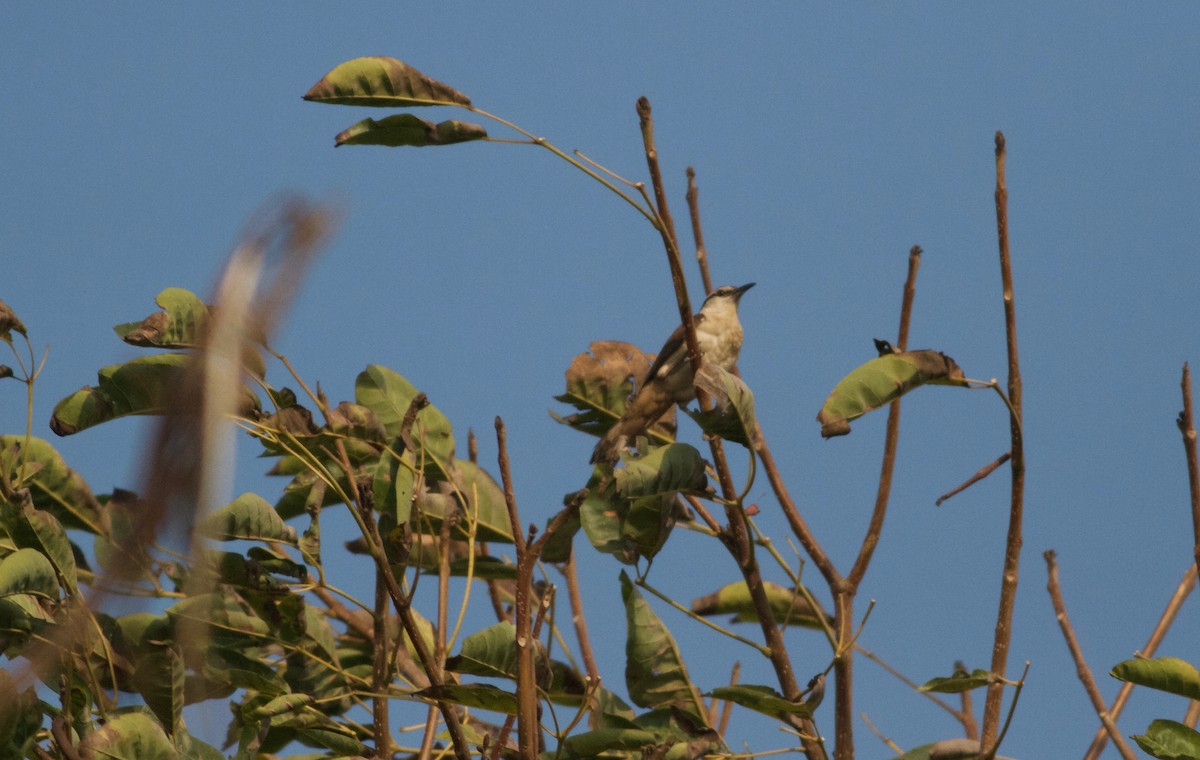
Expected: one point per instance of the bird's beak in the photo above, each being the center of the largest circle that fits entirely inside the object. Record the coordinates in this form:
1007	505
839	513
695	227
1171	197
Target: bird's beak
737	294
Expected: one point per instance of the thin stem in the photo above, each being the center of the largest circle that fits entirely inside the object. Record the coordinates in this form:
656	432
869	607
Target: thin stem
702	620
570	571
1081	669
380	676
907	681
983	472
844	593
875	528
544	143
1012	551
967	715
1187	426
693	201
528	729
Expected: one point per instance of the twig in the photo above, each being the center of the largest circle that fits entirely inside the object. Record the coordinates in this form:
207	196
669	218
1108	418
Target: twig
1193	714
528	729
380	676
908	681
875	528
570	572
1186	584
893	746
844	593
1081	669
737	538
1187	426
727	709
693	201
984	471
1012	549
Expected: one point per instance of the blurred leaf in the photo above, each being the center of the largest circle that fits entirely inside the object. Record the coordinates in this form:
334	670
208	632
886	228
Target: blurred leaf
231	621
54	486
763	699
27	571
483	696
142	386
1169	740
662	470
732	417
881	381
1168	674
957	683
384	82
790	608
133	735
251	518
654	671
20	721
948	749
180	324
600	383
408	130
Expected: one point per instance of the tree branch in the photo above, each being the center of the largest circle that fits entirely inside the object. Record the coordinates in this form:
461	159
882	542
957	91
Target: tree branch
1081	668
1012	551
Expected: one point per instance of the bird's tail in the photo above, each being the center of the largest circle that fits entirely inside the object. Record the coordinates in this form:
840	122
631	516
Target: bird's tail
650	403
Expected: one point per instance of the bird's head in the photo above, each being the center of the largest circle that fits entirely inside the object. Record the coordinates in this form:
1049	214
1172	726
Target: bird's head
725	297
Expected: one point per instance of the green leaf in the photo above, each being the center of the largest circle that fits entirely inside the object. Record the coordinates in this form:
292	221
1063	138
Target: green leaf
383	82
601	520
34	529
27	571
408	130
881	381
180	324
285	703
763	699
654	670
389	395
790	608
492	653
662	470
133	735
54	486
958	682
732	417
1168	674
648	523
483	696
602	740
251	518
1168	740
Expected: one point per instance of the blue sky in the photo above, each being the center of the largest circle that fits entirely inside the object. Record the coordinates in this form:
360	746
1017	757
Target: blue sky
137	140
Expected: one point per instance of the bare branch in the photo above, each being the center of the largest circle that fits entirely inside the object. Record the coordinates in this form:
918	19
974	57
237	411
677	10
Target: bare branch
1081	669
1012	548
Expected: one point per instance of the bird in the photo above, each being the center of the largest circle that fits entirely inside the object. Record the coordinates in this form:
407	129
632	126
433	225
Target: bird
670	379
